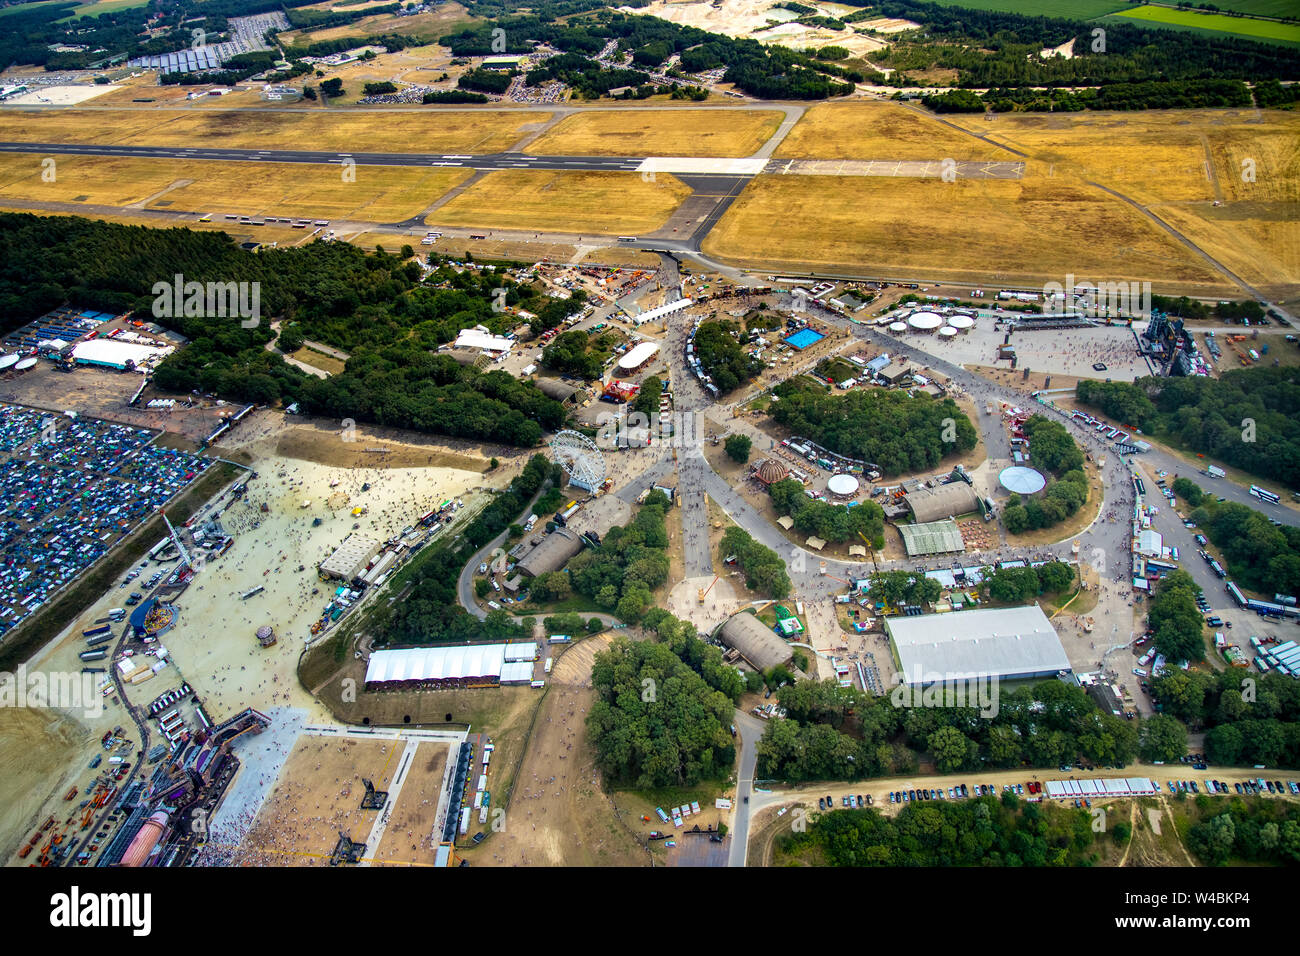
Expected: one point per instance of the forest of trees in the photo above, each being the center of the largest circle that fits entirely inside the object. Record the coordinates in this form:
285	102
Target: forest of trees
578	353
1258	555
763	568
838	733
1248	718
1023	585
1175	620
899	433
656	722
723	357
1254	831
1248	418
631	562
1054	451
373	304
986	831
864	523
998	49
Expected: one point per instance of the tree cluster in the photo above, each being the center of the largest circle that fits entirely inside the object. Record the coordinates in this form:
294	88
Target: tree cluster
656	723
723	357
899	433
763	568
630	563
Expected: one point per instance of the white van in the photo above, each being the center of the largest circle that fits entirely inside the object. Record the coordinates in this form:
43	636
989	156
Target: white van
494	605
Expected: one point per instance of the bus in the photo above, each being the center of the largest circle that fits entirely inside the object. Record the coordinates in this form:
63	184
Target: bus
627	238
546	669
1264	495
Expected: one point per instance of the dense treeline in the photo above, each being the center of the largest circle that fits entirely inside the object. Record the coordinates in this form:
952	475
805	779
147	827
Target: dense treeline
1022	585
630	563
995	49
452	96
580	354
1248	718
982	832
1256	831
682	639
1054	451
1146	95
838	733
1248	418
723	357
320	19
430	612
656	722
763	568
864	523
1257	554
407	387
898	432
1175	620
372	303
485	81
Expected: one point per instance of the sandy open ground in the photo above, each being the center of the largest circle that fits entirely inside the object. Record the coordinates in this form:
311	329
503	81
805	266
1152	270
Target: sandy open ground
317	794
558	814
60	95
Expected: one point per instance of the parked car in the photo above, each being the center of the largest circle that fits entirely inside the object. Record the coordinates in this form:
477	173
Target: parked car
821	804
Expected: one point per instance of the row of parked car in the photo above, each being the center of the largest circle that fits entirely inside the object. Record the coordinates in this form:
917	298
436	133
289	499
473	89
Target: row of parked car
1248	787
961	791
848	800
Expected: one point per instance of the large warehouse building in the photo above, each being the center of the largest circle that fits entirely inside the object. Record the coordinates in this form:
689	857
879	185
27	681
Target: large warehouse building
351	558
1014	643
755	642
466	665
550	554
946	501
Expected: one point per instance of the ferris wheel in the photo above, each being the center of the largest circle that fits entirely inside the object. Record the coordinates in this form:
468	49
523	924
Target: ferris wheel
580	457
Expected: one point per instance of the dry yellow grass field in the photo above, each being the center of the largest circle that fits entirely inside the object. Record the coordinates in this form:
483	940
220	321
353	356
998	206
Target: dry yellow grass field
1258	241
1033	231
681	132
378	194
583	202
350	131
870	130
438	22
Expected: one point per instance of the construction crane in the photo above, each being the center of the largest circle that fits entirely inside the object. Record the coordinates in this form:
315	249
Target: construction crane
705	591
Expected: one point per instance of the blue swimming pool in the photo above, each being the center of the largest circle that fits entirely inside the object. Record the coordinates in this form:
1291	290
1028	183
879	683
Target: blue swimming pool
803	338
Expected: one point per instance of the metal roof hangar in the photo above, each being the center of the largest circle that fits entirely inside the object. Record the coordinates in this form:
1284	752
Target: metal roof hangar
1015	643
755	641
946	501
550	554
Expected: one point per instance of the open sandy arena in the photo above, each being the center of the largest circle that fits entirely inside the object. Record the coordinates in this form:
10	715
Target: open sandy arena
408	836
558	814
317	794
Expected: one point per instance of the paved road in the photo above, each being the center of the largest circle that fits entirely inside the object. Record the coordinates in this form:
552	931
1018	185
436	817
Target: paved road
750	730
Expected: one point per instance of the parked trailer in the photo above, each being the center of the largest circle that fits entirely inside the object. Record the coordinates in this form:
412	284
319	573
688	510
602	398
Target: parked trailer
102	638
98	655
96	631
1236	594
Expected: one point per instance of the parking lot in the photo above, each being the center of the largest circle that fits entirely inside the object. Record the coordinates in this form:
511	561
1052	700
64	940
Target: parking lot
71	490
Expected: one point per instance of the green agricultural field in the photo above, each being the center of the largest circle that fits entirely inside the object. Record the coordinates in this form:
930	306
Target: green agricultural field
1267	31
1066	9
